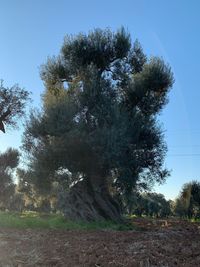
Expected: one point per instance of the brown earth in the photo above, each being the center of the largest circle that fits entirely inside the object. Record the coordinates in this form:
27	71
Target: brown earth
163	243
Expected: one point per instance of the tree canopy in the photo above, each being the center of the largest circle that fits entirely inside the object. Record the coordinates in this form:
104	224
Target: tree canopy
12	105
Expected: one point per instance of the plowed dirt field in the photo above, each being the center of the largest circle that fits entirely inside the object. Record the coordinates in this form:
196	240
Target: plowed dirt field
163	243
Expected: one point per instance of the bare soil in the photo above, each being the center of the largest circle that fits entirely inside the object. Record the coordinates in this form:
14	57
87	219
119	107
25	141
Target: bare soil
163	243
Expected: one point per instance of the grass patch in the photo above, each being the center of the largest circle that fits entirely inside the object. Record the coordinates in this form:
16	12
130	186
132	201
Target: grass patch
54	221
195	220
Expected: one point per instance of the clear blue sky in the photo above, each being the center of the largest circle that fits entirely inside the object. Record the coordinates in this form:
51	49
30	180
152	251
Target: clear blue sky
32	30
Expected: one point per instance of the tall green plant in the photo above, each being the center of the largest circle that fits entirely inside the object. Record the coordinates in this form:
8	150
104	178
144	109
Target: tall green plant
99	121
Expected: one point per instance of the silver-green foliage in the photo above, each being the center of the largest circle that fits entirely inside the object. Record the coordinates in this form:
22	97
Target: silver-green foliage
99	114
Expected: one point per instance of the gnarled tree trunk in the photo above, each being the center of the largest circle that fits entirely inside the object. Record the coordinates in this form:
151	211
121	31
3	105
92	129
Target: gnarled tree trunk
90	200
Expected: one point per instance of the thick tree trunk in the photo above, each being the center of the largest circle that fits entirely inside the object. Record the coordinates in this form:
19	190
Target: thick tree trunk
90	200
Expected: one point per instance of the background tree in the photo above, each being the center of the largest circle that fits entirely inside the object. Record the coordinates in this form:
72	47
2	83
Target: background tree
150	204
12	105
8	163
32	198
27	189
188	203
99	122
16	202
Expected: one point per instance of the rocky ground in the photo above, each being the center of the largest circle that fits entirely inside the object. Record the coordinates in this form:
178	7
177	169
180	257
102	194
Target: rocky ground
163	243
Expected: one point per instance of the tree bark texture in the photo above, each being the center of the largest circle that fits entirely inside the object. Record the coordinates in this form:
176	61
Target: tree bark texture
90	200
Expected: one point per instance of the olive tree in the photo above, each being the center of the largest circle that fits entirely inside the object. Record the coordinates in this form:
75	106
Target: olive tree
99	122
